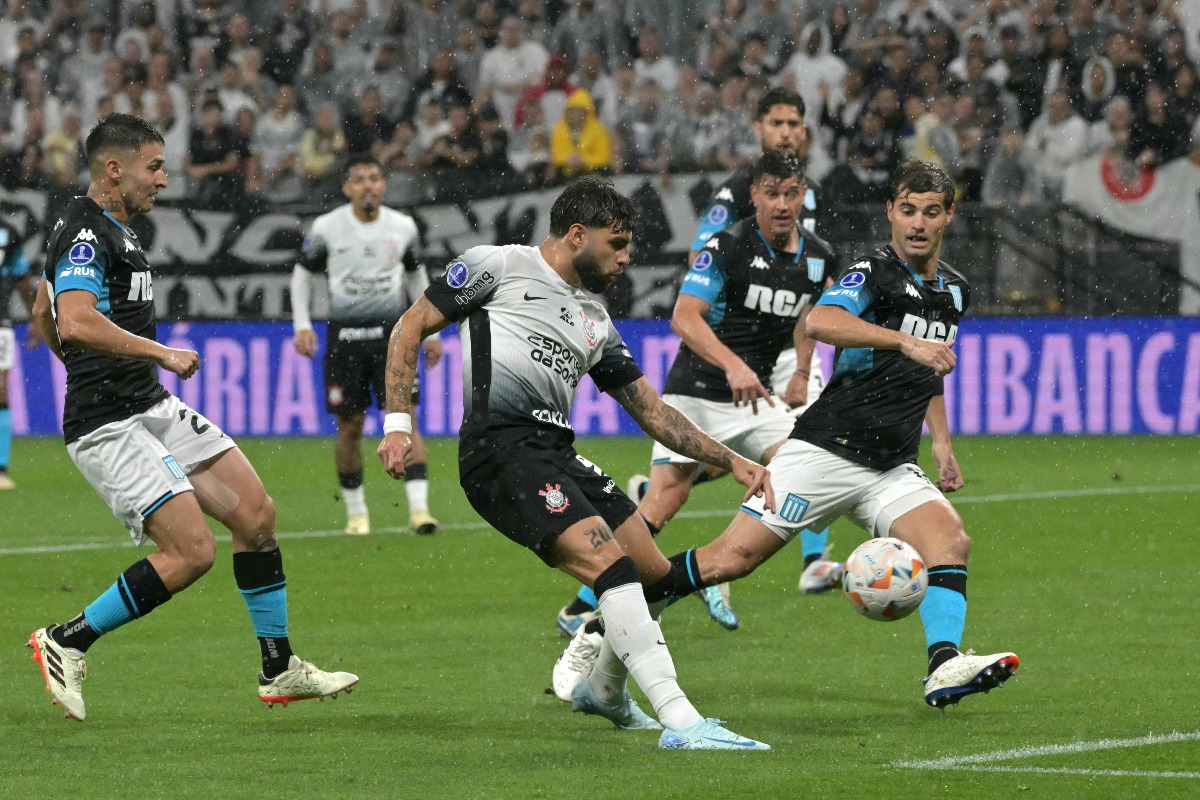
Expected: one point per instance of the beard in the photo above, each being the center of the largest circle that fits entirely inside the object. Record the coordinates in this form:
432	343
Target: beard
591	273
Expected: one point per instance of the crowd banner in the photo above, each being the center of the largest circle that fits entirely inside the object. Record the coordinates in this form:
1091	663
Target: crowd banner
1161	204
1127	375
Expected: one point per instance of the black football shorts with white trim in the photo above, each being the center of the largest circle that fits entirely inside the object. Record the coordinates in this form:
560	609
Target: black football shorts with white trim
353	372
533	492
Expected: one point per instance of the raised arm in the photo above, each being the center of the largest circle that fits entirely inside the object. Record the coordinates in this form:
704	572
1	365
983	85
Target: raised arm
667	425
420	321
837	326
81	325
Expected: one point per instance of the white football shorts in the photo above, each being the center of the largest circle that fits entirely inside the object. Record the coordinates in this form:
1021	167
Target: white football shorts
139	463
8	347
813	487
785	367
737	427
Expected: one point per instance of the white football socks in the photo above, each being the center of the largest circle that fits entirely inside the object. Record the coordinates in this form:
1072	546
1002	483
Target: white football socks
418	495
634	645
356	501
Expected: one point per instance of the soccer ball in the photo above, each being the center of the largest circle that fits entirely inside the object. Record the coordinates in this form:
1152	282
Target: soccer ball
885	579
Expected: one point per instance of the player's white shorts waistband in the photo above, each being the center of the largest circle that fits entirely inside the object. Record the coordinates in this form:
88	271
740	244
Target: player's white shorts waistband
813	487
737	427
139	463
8	347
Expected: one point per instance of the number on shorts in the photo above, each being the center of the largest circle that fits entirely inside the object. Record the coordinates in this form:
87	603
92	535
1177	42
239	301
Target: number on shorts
196	426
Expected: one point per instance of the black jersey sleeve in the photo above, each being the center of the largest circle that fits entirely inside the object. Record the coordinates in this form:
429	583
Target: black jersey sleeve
467	283
616	367
314	253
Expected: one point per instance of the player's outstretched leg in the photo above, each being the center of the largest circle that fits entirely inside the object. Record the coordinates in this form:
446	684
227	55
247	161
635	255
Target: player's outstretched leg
820	572
230	491
935	530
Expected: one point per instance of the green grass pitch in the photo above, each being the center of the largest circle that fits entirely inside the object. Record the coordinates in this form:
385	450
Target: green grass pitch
1083	563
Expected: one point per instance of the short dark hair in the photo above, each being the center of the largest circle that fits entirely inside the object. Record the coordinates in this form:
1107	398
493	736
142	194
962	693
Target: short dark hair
779	164
123	132
357	160
778	96
592	202
916	176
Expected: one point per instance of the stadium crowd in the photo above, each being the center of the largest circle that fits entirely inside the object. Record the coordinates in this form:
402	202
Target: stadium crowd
261	101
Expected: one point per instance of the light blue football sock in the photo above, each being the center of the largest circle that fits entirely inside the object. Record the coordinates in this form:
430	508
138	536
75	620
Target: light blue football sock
109	611
944	615
5	437
268	610
586	594
813	543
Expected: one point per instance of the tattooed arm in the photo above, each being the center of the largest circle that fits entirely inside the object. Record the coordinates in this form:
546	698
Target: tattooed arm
420	321
669	426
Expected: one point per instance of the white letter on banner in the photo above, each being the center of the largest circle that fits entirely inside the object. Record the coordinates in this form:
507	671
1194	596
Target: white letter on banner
1148	371
1189	400
1057	386
224	395
658	352
1109	383
968	389
591	404
16	392
260	385
1008	401
295	394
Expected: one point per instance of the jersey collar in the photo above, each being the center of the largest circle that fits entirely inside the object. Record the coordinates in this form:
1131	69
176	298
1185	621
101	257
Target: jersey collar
941	282
771	250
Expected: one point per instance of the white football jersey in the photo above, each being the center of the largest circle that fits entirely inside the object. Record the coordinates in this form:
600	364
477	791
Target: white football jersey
365	262
527	338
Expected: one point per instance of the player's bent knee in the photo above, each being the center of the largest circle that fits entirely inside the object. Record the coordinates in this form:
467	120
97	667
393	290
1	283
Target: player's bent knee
621	572
254	522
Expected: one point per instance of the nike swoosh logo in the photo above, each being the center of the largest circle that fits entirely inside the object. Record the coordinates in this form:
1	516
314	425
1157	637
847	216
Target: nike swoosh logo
528	297
727	741
660	641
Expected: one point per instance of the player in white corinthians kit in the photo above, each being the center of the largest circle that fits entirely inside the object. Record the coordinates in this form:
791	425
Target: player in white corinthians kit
529	334
369	253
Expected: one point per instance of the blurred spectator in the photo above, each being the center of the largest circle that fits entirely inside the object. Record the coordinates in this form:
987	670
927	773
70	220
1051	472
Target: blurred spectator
700	140
757	62
871	151
812	67
276	150
1088	30
34	96
254	82
510	68
1099	83
159	82
202	23
1116	123
428	26
386	75
1186	14
894	71
989	17
174	123
319	80
600	86
290	32
533	16
719	62
495	171
235	41
529	151
16	18
1056	67
347	44
1056	140
652	65
212	163
1004	179
203	74
134	99
367	128
934	137
439	84
487	23
27	170
644	131
1159	133
63	151
840	108
551	93
579	143
1186	94
429	126
585	29
1169	55
913	18
455	156
771	21
322	151
993	110
468	56
85	66
1129	66
231	94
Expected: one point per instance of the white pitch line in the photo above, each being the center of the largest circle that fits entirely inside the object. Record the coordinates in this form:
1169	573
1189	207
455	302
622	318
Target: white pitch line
957	499
976	763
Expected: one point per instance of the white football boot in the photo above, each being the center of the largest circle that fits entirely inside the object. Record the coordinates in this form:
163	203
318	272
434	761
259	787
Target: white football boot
575	664
966	674
822	574
303	681
63	669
